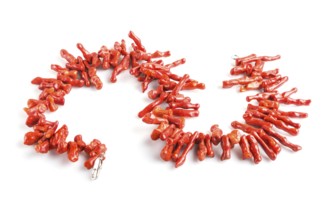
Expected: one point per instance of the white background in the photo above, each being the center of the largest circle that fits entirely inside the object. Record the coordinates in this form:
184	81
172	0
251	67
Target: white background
135	182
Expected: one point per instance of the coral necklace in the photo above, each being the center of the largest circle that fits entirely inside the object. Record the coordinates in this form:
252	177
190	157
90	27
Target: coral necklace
260	119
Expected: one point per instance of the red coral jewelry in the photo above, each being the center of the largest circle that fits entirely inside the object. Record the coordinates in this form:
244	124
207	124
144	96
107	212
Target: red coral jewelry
147	67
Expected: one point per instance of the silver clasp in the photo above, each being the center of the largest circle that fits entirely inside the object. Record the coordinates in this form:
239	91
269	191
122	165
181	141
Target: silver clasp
234	57
97	167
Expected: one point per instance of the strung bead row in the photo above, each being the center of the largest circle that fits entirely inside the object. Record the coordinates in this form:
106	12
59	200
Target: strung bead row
260	119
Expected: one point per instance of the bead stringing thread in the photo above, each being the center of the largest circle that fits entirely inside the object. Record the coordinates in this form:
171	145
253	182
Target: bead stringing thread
147	67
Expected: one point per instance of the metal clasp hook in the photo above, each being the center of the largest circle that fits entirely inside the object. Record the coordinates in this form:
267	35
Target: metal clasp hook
97	167
234	57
